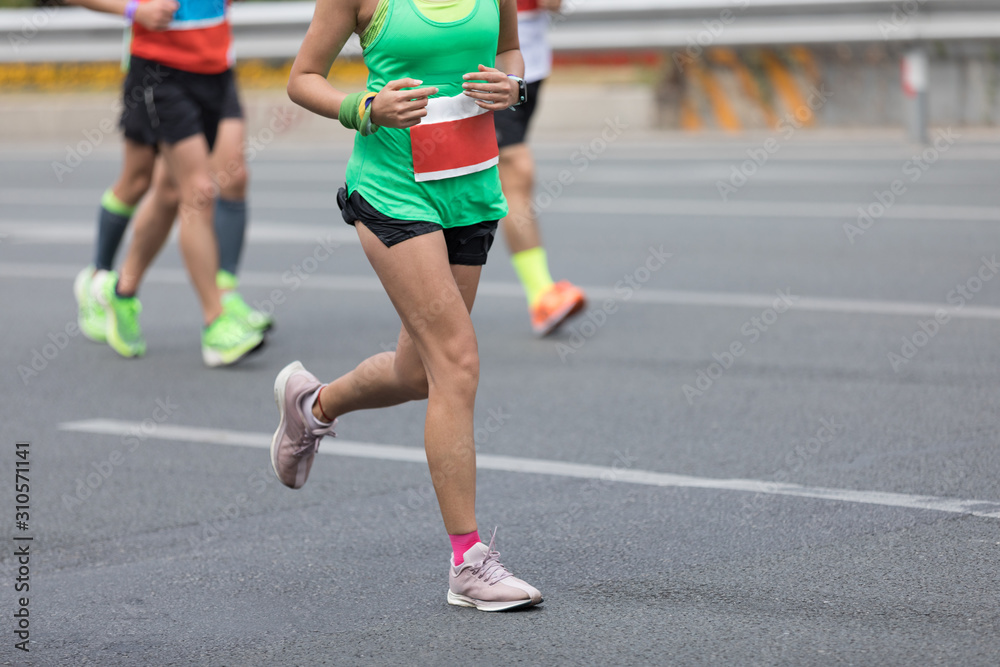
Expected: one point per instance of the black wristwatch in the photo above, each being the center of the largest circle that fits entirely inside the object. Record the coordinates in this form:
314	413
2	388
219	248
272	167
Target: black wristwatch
522	91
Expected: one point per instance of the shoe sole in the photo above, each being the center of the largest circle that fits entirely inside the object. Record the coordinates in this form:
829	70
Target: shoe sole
560	318
215	359
483	605
280	383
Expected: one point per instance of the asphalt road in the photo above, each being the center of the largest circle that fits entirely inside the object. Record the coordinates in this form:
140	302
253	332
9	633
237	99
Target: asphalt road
783	429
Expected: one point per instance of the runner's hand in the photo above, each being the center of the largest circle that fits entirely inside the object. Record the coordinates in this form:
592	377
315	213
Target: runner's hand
499	91
394	107
550	5
156	14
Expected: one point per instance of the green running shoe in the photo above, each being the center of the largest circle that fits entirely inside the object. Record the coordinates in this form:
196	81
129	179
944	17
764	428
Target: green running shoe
227	340
233	304
122	313
90	315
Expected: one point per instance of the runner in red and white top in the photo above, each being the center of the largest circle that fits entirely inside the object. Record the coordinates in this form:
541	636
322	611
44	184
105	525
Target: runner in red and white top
533	31
198	39
175	95
550	303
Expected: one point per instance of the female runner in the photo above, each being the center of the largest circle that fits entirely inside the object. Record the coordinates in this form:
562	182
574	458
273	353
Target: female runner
424	194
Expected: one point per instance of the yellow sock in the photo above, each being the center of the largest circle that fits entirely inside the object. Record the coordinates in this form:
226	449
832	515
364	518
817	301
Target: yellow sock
532	268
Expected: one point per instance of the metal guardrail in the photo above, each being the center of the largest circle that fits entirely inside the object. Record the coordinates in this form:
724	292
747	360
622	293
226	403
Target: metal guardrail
275	30
72	34
650	24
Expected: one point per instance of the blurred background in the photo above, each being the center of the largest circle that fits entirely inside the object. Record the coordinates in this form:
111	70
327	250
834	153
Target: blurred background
725	66
742	533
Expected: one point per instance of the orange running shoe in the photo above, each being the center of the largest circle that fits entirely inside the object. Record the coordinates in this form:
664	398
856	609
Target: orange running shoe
555	305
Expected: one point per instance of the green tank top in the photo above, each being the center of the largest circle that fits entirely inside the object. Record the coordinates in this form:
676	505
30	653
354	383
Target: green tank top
410	45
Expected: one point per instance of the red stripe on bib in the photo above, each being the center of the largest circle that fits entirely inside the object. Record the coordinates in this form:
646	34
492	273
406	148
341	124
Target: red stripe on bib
454	148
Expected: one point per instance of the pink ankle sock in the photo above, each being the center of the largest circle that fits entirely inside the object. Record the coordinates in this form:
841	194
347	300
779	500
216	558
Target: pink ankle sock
462	543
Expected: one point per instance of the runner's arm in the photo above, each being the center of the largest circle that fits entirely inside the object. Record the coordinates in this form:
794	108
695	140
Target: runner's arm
509	59
332	24
152	14
491	87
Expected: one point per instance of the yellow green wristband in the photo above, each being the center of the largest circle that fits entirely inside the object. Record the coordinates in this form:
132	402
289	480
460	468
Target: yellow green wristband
356	113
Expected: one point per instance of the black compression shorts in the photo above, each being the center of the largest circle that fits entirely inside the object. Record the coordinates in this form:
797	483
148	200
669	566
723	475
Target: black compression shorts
512	124
467	245
231	107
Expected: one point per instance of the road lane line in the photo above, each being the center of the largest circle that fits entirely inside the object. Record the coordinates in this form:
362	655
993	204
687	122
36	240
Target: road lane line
618	206
597	295
836	147
269	233
513	464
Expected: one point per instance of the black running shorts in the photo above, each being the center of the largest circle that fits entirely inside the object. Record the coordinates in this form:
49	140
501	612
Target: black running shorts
167	105
512	124
231	107
467	245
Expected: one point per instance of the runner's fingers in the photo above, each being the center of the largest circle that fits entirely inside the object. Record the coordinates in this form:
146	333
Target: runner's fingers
418	103
494	84
485	74
408	106
492	88
414	116
419	93
496	98
399	84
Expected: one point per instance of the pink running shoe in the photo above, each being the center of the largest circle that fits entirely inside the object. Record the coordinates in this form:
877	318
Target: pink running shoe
481	581
294	445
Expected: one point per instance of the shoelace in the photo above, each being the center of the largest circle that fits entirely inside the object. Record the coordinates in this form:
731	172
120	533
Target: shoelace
309	443
491	570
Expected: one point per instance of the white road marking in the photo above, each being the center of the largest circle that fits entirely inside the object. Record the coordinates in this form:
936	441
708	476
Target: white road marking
769	209
707	174
79	233
833	148
625	206
337	447
597	295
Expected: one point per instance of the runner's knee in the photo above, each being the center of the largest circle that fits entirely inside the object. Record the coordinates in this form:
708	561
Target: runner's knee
133	185
202	191
167	193
518	165
457	366
233	181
